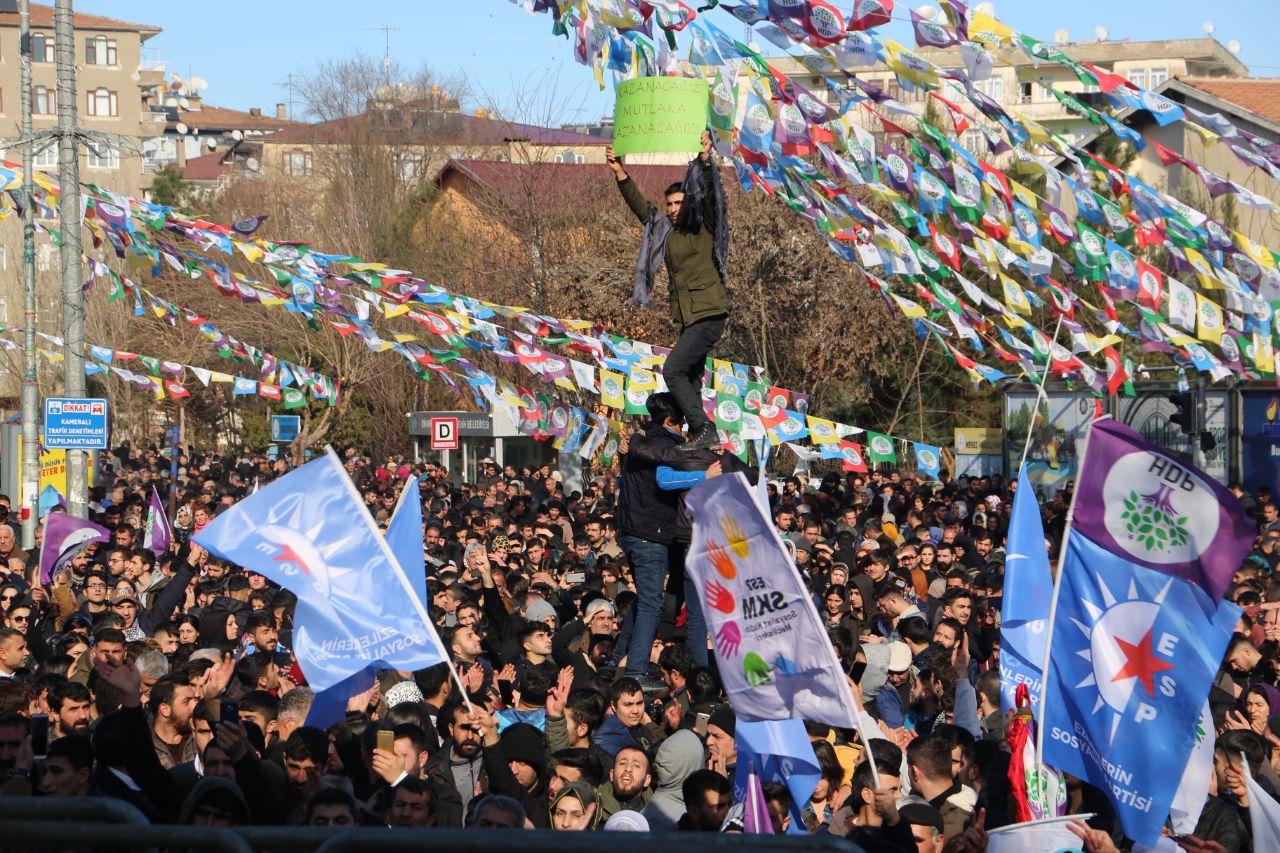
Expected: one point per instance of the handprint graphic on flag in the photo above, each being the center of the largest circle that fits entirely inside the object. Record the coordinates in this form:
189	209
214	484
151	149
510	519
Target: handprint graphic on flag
728	639
719	598
721	561
737	539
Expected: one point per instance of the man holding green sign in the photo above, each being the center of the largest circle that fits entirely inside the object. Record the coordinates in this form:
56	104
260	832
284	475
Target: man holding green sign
690	234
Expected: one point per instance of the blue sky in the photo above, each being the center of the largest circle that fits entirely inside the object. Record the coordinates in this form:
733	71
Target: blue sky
511	58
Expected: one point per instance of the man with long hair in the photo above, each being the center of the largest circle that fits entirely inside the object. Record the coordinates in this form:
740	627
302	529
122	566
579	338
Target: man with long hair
691	235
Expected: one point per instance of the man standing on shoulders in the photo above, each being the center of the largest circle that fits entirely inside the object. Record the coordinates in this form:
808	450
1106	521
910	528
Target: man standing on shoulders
692	238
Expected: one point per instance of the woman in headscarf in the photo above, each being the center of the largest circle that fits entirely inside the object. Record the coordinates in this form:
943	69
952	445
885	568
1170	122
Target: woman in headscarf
574	807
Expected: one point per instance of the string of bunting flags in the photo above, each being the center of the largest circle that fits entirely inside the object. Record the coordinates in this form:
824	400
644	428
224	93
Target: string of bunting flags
628	370
1001	227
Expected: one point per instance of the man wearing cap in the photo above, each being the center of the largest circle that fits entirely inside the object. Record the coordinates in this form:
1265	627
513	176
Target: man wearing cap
722	751
926	825
891	597
124	603
895	696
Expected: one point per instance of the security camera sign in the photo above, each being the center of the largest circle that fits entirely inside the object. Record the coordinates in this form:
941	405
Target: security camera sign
73	423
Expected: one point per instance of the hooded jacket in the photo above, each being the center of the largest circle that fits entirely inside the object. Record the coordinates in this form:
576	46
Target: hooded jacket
678	758
215	786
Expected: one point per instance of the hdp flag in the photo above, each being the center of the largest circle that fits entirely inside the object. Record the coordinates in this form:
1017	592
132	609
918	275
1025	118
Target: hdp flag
1141	628
65	536
1025	606
928	459
404	533
1037	836
777	751
159	532
775	660
310	532
1146	506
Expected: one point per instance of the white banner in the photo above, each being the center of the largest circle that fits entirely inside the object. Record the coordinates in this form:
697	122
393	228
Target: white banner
775	658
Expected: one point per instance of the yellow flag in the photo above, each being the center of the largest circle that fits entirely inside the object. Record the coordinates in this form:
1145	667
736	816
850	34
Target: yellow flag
1204	271
613	389
909	66
394	309
643	380
1209	320
1014	296
910	310
985	29
1024	195
822	431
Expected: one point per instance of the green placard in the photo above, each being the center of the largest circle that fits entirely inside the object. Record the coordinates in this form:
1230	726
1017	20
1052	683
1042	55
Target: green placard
659	114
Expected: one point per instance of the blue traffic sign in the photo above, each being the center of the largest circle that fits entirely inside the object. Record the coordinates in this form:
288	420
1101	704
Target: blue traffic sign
285	428
75	423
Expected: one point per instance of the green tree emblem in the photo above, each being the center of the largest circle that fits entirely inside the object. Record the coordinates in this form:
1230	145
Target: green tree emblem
1151	520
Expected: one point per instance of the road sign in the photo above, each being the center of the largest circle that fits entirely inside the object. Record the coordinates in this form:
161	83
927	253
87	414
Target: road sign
285	428
444	433
74	423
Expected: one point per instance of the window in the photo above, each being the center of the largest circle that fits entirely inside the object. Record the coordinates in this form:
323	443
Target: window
47	157
103	156
44	101
4	265
995	88
297	164
42	48
1138	77
4	308
1025	90
1158	76
103	103
44	257
100	51
570	157
972	140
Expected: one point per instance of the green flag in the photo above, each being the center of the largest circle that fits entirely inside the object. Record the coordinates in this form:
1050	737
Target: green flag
293	398
880	448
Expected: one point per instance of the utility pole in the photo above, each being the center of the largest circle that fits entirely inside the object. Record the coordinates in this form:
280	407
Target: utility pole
30	480
386	49
69	214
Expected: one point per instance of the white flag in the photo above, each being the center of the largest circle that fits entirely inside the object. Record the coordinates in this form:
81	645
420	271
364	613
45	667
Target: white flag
775	659
1036	836
1193	791
1264	814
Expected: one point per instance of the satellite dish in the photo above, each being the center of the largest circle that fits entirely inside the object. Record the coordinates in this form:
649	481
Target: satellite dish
237	135
211	143
170	101
198	83
181	128
135	77
1061	36
252	164
988	9
1208	28
184	103
1233	46
1101	33
927	12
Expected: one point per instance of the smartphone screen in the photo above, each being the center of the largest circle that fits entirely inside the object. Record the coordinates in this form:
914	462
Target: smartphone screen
39	735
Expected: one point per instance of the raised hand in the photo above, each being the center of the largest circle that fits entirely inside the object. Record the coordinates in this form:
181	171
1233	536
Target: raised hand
756	670
737	539
728	639
615	163
558	695
719	598
721	561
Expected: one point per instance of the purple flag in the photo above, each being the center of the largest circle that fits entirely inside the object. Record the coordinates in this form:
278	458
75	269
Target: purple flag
159	531
755	810
65	536
1148	507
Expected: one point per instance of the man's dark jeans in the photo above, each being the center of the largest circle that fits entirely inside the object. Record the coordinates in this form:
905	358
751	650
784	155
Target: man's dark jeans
685	366
649	562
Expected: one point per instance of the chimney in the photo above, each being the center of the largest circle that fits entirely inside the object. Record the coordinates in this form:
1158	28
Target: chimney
281	112
256	112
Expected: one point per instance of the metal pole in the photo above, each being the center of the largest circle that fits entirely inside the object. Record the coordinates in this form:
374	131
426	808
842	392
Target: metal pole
30	481
69	214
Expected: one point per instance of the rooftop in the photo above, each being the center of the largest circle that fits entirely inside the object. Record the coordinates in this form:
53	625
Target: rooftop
426	127
210	117
207	168
1258	95
42	16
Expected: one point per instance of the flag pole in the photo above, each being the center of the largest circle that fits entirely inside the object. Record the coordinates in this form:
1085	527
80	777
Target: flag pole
404	581
1053	610
1040	392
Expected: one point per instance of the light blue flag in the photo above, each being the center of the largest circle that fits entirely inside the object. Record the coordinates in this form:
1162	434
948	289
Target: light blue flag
928	459
1024	609
1135	651
404	534
310	532
244	386
779	751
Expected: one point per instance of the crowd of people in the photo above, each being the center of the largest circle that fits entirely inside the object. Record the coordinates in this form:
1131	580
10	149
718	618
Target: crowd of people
593	699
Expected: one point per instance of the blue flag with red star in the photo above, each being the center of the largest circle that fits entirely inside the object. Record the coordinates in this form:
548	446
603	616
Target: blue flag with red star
310	532
1140	628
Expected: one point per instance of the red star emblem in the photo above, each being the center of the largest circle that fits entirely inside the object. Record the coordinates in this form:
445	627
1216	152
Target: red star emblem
1140	663
288	555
